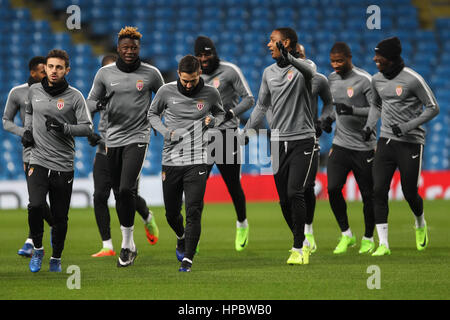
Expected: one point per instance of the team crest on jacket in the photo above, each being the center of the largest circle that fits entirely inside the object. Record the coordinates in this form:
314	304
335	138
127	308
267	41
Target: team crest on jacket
290	75
350	92
399	90
30	171
163	175
200	105
139	84
216	82
60	104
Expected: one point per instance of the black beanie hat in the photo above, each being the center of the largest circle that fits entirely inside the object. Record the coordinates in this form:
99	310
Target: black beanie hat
390	48
204	45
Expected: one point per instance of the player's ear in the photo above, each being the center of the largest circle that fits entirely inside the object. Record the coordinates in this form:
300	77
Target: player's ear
67	70
287	43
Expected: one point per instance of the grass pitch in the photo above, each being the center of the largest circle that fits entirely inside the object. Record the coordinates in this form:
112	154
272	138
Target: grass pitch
219	272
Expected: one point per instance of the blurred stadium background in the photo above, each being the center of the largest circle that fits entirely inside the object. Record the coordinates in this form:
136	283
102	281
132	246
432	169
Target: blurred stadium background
240	29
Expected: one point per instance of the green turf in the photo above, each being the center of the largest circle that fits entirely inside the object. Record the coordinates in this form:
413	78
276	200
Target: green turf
219	272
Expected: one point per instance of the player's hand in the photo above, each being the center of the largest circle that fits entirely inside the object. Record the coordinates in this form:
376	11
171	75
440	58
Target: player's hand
366	133
94	139
53	124
317	126
27	139
283	50
228	115
396	130
101	104
343	109
326	124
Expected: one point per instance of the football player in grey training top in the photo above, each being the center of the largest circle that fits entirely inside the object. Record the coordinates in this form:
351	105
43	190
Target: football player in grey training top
190	107
124	89
56	112
319	88
399	95
102	186
286	87
16	103
352	93
230	82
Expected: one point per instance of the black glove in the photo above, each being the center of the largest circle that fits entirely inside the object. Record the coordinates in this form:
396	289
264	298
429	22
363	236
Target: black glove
396	130
343	109
325	125
317	125
101	104
53	124
94	139
228	115
283	50
27	139
366	133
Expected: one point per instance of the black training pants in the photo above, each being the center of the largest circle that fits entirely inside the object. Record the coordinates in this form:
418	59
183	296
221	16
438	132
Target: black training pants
125	165
310	196
295	161
58	185
191	180
407	157
102	190
340	162
230	168
47	215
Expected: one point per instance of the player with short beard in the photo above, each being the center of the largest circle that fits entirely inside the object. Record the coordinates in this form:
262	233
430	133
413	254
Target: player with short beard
56	113
190	108
231	83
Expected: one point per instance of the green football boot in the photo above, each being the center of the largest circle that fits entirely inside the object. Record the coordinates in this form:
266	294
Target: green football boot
367	246
422	238
312	242
295	258
382	250
241	241
344	243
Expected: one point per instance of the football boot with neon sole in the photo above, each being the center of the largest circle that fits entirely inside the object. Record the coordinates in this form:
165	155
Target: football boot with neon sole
344	243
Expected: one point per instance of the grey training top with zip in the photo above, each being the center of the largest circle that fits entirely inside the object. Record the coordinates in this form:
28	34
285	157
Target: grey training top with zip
126	112
56	150
285	90
400	101
352	89
230	81
16	102
185	117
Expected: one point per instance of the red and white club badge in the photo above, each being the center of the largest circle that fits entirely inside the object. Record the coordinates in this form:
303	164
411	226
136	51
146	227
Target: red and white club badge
216	82
30	171
290	75
350	92
140	84
60	104
200	105
163	175
399	90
